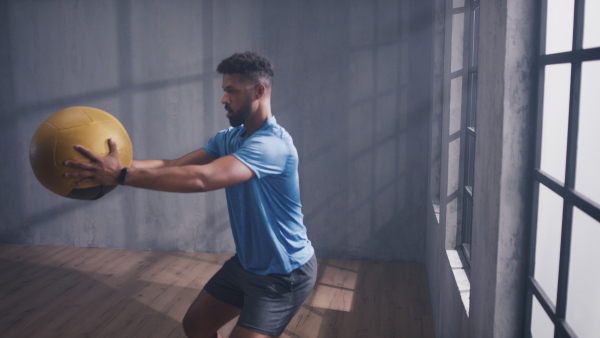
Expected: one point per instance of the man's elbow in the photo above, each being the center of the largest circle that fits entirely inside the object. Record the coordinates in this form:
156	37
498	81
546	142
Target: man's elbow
205	180
197	185
201	183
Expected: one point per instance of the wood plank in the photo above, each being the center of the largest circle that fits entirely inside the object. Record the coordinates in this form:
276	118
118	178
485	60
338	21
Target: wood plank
88	292
150	295
41	256
112	292
57	294
40	287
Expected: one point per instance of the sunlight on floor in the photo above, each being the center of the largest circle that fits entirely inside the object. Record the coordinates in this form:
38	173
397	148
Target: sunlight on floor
336	287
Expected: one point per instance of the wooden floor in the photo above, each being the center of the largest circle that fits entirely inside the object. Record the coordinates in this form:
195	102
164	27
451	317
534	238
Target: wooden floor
88	292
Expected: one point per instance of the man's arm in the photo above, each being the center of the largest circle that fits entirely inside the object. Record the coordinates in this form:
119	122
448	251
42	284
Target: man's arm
187	174
197	157
223	172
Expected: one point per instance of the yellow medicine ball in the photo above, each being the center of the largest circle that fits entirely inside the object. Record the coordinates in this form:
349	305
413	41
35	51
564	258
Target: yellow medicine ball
54	142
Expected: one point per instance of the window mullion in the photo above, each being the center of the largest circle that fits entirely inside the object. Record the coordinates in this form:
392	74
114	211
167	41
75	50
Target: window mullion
567	221
567	225
578	27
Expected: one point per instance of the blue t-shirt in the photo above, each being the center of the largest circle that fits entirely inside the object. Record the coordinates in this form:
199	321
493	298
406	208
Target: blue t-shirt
265	211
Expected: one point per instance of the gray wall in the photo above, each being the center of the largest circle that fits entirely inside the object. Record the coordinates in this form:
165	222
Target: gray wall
351	87
505	157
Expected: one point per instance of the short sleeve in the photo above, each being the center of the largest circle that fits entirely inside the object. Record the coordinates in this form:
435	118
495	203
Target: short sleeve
216	146
264	155
211	148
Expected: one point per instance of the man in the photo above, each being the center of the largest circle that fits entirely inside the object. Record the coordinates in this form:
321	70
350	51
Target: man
274	268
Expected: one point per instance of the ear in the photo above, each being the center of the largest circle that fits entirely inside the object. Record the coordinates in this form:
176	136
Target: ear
259	91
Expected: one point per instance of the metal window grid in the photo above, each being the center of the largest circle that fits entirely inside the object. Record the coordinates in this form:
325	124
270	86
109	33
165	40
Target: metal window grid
571	198
468	124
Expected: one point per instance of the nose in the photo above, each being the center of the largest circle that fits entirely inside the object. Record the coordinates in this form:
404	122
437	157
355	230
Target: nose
225	99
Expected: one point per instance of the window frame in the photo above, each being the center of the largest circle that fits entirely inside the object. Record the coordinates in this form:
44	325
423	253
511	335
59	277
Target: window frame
468	126
571	198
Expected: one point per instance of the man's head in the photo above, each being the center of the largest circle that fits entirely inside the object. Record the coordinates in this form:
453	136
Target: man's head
252	67
247	80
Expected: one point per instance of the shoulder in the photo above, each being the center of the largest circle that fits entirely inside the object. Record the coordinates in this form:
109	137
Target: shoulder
271	136
273	130
229	132
227	135
224	142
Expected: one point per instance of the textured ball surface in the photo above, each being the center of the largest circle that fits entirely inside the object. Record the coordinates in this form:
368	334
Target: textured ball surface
54	141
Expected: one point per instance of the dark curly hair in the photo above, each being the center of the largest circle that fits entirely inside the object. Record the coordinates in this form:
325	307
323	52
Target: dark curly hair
251	66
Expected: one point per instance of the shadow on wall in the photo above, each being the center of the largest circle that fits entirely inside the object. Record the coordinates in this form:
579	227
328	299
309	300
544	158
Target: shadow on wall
91	59
351	110
344	89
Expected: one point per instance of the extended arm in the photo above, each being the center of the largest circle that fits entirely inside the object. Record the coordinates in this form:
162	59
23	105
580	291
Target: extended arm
223	172
195	172
197	157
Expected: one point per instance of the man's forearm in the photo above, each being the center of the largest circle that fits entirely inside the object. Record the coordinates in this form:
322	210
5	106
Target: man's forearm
221	173
197	157
148	164
183	179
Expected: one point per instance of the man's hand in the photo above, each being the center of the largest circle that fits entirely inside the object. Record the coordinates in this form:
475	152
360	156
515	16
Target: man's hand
100	169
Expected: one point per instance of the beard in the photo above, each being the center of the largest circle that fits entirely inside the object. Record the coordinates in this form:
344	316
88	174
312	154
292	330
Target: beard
241	115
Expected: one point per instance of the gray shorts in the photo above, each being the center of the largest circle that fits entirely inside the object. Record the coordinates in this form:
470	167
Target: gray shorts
268	303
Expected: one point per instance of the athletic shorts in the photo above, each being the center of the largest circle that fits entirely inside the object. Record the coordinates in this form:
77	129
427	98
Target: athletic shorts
268	303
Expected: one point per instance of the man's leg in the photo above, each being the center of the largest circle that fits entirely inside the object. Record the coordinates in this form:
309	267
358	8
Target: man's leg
271	301
240	332
206	315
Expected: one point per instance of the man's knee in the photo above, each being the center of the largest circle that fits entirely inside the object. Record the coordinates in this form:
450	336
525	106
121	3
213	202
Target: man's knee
188	325
206	315
197	327
191	327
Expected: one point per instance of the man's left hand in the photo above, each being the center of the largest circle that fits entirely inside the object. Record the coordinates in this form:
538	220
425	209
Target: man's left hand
100	169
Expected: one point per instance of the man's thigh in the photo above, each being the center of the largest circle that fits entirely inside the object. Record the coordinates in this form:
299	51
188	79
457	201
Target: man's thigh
206	315
267	303
240	332
271	301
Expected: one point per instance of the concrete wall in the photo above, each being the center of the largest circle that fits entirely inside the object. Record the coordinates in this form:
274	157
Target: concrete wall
502	187
508	94
350	87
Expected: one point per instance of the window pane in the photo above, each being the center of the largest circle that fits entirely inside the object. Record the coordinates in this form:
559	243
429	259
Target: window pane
583	305
541	325
472	114
470	161
559	26
555	120
458	31
453	165
547	248
588	156
475	37
458	3
467	222
451	222
591	28
456	86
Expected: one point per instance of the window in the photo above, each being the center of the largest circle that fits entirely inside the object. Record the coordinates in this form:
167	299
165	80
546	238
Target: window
564	278
463	18
453	130
468	128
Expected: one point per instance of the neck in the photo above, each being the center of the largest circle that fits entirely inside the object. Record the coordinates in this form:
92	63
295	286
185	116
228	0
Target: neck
258	118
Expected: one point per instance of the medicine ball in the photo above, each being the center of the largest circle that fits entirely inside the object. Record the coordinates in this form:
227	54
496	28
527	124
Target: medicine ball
54	142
